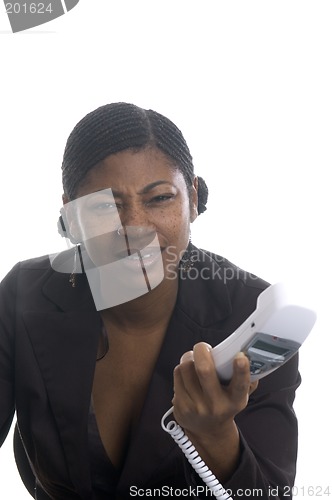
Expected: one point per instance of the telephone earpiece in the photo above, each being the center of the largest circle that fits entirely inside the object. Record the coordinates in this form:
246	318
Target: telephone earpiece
62	228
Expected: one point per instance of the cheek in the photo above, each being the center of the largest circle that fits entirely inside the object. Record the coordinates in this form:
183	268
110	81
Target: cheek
175	226
178	219
93	228
178	232
100	248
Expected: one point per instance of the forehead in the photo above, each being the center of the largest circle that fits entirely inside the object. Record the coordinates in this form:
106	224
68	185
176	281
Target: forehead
131	169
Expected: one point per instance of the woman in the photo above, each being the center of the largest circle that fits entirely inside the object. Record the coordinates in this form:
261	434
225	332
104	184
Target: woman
96	347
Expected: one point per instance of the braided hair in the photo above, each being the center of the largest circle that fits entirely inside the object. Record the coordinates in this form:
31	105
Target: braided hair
116	127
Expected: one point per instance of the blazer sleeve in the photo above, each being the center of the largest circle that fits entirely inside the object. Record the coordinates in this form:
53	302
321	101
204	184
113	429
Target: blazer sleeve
268	438
7	326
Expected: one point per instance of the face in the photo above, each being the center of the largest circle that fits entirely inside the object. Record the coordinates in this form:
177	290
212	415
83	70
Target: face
135	203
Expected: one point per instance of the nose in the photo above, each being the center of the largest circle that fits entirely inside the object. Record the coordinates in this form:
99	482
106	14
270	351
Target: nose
134	213
137	237
135	223
136	227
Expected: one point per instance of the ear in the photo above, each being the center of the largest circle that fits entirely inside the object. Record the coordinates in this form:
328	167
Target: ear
70	220
194	200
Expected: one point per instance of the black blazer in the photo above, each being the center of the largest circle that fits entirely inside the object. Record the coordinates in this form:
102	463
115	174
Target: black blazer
49	334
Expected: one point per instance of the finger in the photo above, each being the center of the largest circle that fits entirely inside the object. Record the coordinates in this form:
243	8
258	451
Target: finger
253	386
239	386
206	371
189	377
181	399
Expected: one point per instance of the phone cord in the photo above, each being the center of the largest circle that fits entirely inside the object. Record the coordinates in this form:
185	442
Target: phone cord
189	450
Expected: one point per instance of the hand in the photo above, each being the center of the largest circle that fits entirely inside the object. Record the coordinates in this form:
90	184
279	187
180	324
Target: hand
205	408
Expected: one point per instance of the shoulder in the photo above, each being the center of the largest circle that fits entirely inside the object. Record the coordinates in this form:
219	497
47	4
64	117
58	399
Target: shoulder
30	275
19	286
36	264
243	287
62	262
232	274
215	291
224	272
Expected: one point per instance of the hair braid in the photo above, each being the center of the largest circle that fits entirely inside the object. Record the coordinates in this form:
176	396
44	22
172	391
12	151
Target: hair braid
119	126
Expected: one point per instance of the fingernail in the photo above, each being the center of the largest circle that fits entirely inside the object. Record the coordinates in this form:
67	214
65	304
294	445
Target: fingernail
241	360
187	356
208	346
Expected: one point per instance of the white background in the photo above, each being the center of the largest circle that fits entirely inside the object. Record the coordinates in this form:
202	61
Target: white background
249	83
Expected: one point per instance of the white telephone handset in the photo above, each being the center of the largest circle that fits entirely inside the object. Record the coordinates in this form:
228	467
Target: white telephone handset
270	336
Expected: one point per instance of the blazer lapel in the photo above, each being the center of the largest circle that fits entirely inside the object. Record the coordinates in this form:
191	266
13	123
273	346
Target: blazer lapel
73	339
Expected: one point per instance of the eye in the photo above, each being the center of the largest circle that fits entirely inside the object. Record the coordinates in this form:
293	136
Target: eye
103	207
161	198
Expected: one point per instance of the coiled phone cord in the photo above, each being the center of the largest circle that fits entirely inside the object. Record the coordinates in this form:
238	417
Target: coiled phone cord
189	450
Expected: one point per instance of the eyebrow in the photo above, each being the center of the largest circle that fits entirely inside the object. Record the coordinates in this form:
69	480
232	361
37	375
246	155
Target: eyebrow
146	189
149	187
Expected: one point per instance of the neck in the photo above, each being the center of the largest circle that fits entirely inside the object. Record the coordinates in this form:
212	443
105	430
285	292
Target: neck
146	313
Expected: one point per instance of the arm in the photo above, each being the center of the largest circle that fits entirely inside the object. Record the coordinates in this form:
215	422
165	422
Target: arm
7	312
206	409
243	444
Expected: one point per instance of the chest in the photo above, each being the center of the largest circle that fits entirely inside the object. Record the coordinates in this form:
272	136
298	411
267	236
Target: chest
120	386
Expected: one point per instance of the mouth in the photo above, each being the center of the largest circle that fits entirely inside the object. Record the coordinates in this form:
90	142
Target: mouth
145	257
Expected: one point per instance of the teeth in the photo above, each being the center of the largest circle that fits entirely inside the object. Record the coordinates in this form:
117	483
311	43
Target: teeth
133	257
136	256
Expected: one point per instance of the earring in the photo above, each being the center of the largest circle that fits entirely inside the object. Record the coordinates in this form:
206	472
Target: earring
72	277
187	261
